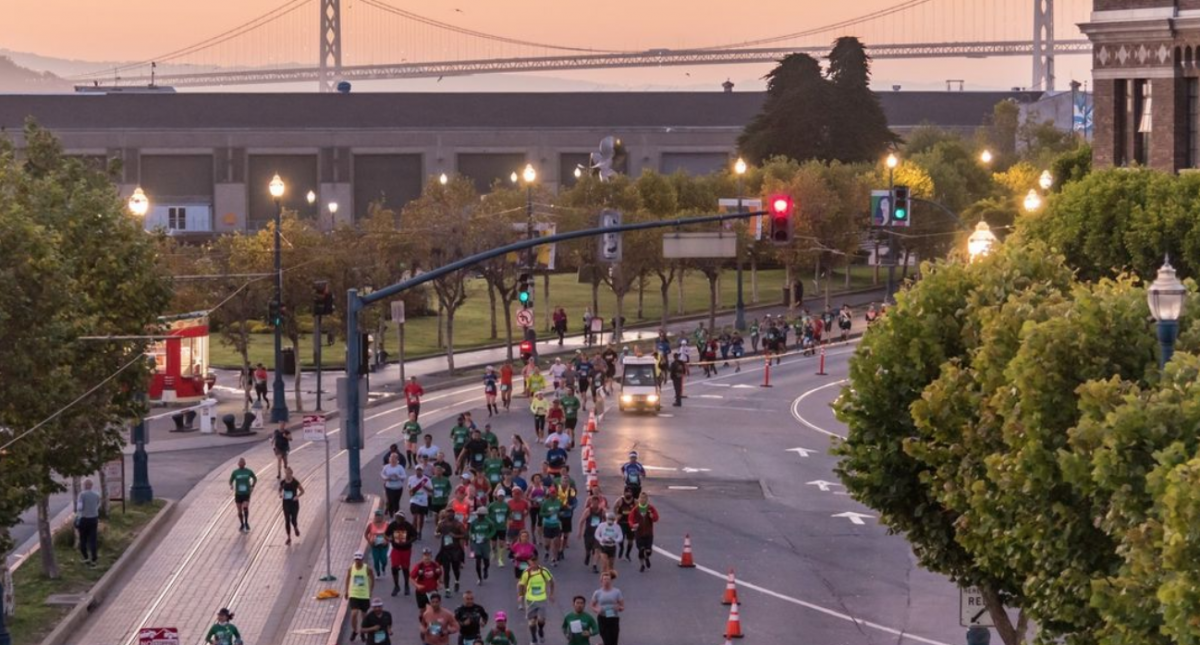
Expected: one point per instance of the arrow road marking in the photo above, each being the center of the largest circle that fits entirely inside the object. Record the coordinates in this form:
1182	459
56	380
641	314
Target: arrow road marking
823	485
856	518
803	452
697	470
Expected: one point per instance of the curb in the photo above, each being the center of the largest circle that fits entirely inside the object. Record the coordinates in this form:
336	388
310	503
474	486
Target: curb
339	619
68	627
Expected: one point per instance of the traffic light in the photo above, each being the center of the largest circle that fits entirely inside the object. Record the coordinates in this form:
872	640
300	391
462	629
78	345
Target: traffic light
322	299
525	290
275	314
781	219
901	207
526	350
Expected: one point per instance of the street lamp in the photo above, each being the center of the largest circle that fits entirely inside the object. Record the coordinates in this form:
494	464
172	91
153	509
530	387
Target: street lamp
739	320
1046	180
279	410
1033	201
578	172
311	197
1166	298
513	177
986	156
139	204
892	161
443	179
980	242
530	176
333	209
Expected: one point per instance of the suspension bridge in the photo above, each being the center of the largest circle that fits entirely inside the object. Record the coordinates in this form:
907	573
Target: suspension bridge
320	41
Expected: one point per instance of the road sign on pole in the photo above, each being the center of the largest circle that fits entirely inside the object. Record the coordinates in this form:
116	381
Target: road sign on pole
314	427
972	612
398	311
158	636
525	318
610	243
881	207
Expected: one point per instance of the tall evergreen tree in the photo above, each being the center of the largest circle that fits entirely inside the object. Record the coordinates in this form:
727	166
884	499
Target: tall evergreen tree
858	125
795	118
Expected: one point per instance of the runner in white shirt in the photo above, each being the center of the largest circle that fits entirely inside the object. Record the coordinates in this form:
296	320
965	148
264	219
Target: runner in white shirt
563	439
557	371
428	450
418	498
608	536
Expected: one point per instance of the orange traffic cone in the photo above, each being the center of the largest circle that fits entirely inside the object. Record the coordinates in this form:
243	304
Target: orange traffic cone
587	439
591	465
731	597
586	452
733	626
685	560
592	480
591	426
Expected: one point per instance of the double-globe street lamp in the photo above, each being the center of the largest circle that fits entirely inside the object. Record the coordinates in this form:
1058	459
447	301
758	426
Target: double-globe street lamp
279	409
1166	298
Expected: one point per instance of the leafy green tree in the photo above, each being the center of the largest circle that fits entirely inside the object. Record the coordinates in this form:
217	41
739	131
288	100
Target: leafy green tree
1071	166
858	126
795	119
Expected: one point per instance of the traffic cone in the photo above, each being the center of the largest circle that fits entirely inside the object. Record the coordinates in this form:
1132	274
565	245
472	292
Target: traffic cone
733	626
587	439
730	597
591	465
685	560
586	453
591	426
592	479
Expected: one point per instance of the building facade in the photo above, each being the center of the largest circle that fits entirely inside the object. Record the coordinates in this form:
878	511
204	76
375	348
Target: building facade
1146	83
205	160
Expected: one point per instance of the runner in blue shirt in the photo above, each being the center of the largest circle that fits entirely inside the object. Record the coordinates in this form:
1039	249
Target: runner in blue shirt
634	473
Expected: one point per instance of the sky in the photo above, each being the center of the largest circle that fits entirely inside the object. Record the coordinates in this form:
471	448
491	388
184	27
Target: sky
124	30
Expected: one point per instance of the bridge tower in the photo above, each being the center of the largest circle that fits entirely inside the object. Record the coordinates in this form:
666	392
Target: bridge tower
331	43
1043	45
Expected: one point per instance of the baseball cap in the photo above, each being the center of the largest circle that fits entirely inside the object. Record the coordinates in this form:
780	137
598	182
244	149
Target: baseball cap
399	514
500	493
379	512
358	555
501	616
480	511
633	454
420	467
427	550
376	602
612	516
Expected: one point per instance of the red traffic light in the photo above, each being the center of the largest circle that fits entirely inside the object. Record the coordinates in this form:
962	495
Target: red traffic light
781	219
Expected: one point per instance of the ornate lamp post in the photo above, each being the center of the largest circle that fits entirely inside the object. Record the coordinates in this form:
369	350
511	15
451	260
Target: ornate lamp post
279	410
140	492
1166	298
981	241
739	320
1033	201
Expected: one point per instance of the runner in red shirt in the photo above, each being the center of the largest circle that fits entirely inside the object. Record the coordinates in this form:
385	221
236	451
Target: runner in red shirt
412	394
518	514
426	577
506	385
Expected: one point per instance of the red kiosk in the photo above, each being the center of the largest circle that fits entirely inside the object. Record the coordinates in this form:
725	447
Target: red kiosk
181	361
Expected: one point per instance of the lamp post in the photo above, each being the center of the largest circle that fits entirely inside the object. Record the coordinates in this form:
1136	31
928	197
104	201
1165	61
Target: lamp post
986	157
1046	180
892	162
1033	201
333	209
443	179
530	176
739	320
140	492
1166	299
279	410
980	242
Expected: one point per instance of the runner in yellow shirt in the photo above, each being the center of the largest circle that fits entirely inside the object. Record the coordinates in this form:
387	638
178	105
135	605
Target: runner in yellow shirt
535	590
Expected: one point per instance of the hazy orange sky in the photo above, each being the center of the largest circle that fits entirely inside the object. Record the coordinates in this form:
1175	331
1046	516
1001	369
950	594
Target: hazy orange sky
128	30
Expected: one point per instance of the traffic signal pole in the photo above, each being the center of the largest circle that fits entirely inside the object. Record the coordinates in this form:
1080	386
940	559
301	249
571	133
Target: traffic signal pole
352	424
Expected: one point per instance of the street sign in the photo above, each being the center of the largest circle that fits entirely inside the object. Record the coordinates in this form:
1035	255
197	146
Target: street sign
398	311
699	245
749	205
881	207
314	427
114	480
610	243
972	612
525	318
158	636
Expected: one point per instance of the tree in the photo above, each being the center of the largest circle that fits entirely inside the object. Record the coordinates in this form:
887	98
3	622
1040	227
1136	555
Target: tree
795	118
858	125
1071	166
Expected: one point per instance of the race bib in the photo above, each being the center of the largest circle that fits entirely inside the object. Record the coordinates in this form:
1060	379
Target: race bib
518	516
595	522
633	478
378	540
360	579
287	494
477	457
447	540
480	539
242	487
380	636
611	612
535	589
435	629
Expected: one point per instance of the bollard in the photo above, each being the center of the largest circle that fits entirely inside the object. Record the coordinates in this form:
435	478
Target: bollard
767	372
821	363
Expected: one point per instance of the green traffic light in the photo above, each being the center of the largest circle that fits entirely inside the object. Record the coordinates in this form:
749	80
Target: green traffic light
524	296
901	213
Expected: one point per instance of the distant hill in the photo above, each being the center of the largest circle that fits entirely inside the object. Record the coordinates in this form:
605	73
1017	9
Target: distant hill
17	79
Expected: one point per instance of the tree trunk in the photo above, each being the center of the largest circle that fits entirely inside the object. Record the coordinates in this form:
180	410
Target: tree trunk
492	302
103	493
441	318
248	385
46	539
595	293
787	286
875	279
618	328
665	290
849	267
753	279
450	340
641	295
1003	625
712	302
681	308
546	295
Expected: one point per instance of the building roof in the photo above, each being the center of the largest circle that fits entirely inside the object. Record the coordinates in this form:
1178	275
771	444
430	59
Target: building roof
522	111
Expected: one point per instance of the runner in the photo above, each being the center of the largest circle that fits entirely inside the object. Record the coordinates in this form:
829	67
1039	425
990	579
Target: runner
571	405
426	578
418	498
493	468
453	536
459	434
439	491
471	620
537	492
376	536
437	624
535	589
593	517
608	603
552	525
490	437
521	551
500	634
845	321
506	385
482	531
555	416
536	381
539	406
497	511
609	536
568	497
641	520
290	491
754	336
260	384
359	584
282	440
394	479
474	452
242	482
557	371
377	625
579	626
610	372
401	536
429	450
623	508
678	370
412	395
223	632
412	434
634	474
490	388
556	456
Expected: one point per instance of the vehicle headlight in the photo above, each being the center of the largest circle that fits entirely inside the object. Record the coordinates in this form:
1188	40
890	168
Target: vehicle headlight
626	398
652	398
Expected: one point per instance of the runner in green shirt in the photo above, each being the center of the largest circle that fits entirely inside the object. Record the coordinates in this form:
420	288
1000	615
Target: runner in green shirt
493	467
439	495
412	437
242	481
223	632
570	405
500	634
552	525
490	437
482	530
579	626
458	436
498	511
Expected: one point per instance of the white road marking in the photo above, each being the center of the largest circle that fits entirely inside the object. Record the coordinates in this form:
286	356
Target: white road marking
715	384
855	518
823	485
686	469
683	488
803	452
796	601
696	470
730	407
659	468
709	396
796	409
742	386
666	416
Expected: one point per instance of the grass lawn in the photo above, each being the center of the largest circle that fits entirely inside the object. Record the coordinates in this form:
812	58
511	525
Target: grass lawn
34	619
472	326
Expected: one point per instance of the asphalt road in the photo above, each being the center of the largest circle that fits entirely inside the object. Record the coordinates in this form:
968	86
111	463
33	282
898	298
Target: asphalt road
723	469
